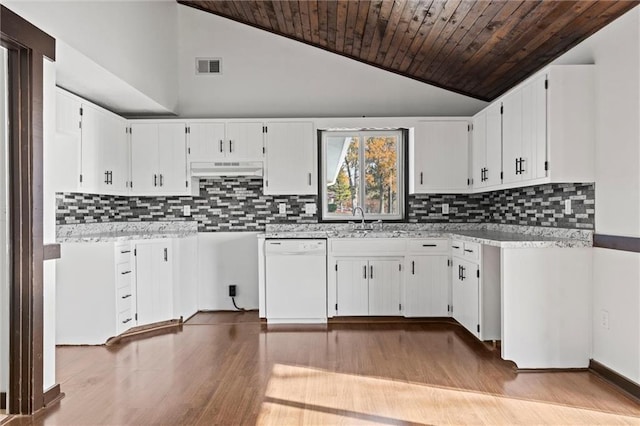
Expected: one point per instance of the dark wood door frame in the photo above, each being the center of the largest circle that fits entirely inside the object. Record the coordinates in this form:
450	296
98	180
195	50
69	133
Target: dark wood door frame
27	46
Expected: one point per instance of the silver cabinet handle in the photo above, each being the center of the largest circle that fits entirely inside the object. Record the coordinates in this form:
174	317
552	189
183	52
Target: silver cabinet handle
126	296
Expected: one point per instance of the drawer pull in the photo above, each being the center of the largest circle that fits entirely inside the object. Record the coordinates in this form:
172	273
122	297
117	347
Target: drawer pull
126	321
126	296
125	272
125	251
468	251
456	247
429	245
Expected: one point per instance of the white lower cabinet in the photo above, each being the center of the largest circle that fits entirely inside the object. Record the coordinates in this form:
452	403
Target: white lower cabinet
105	288
95	297
154	261
427	286
475	282
368	286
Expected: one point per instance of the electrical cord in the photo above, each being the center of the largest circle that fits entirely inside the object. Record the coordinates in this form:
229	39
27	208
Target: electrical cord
233	299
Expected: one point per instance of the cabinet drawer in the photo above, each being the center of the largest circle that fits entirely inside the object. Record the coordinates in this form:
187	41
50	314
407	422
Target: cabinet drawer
457	248
367	246
428	246
123	253
472	251
125	321
123	298
123	274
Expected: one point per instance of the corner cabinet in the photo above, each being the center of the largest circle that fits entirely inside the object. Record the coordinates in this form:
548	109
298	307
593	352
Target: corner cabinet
290	159
158	159
439	157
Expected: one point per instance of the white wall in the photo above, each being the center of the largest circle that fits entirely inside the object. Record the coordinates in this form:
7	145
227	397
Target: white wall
226	258
616	288
49	226
265	75
4	249
134	40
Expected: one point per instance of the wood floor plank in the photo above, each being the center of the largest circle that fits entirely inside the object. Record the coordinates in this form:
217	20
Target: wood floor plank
229	368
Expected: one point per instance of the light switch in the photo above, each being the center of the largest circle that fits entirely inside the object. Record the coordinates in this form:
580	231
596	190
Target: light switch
282	208
310	208
567	206
186	210
445	209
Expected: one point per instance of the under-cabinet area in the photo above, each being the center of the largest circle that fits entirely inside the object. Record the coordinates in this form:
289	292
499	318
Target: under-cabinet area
483	279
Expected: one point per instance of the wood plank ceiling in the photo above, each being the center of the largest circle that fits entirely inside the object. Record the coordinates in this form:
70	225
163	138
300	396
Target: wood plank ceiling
477	48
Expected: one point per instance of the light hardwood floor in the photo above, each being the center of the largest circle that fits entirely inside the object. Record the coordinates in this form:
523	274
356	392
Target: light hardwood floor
227	368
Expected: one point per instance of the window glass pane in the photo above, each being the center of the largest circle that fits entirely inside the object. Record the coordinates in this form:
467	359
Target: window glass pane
342	174
381	175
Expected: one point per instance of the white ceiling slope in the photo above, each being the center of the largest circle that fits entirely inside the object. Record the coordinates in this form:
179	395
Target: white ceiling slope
120	54
265	75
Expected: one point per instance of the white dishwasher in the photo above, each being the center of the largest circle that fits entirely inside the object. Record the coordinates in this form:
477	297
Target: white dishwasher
296	281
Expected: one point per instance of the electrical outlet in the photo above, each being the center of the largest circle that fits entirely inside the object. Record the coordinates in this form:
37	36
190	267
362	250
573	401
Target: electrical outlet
604	319
282	208
186	210
232	290
445	209
310	208
567	206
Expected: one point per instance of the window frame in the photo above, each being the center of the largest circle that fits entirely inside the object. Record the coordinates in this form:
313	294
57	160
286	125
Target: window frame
402	175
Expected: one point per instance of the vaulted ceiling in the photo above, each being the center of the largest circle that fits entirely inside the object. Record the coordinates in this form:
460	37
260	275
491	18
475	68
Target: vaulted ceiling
477	48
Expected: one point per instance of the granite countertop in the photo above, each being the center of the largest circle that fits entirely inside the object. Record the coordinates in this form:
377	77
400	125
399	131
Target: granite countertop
123	231
505	236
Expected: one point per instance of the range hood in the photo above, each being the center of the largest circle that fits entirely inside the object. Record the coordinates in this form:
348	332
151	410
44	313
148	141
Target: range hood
226	168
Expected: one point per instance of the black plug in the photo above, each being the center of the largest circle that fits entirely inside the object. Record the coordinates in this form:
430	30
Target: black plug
232	291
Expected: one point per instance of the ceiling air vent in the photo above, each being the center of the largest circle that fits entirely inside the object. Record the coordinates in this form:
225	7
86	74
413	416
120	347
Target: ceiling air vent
208	66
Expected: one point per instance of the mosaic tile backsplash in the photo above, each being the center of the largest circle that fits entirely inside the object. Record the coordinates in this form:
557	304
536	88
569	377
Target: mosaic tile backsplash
238	204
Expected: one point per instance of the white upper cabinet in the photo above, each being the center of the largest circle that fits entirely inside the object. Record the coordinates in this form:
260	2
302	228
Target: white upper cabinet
524	132
290	160
439	157
95	144
68	142
487	148
225	141
548	127
158	159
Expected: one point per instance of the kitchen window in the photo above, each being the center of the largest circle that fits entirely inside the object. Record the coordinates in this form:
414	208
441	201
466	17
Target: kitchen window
362	168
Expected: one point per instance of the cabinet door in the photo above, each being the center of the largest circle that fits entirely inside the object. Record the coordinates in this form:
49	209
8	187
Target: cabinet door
93	165
154	289
352	292
466	297
384	287
144	158
244	141
479	149
172	160
512	136
427	286
114	148
206	142
534	129
441	154
66	156
289	160
493	163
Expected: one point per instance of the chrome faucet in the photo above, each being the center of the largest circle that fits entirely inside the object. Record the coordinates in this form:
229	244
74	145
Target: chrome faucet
355	209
